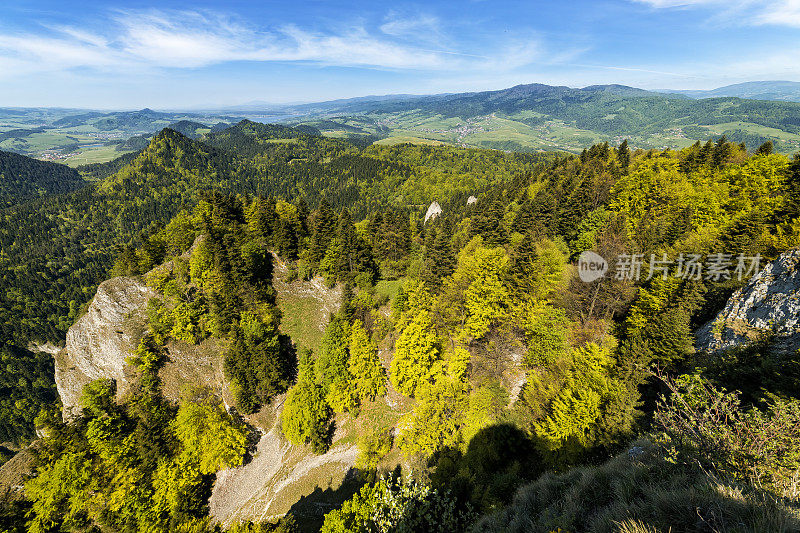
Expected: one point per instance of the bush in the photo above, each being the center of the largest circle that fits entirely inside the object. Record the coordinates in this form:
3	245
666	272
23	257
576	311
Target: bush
706	425
395	505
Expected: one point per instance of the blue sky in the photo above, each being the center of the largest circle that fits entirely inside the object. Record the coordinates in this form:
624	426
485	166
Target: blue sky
170	54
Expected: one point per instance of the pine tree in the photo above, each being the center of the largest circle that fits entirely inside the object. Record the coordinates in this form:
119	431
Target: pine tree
324	231
624	155
416	350
364	364
765	149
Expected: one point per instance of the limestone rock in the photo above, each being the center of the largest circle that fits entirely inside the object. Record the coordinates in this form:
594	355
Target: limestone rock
100	341
433	211
770	302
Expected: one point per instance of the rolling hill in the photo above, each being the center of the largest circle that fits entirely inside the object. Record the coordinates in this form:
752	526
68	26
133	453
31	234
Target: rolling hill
757	90
542	117
23	178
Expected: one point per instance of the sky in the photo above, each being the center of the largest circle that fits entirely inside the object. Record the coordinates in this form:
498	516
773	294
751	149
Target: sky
202	54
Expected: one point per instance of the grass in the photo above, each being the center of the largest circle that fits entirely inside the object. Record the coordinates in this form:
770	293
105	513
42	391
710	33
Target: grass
389	288
300	320
402	139
638	493
99	154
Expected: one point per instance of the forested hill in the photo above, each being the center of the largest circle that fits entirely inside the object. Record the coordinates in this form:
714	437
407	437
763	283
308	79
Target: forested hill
535	116
615	109
494	367
23	178
57	249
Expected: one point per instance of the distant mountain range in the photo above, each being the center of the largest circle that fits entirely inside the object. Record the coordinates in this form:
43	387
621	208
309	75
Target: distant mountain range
757	90
536	116
524	118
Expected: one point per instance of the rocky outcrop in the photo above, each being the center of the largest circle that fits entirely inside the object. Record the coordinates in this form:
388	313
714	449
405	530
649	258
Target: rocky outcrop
769	303
100	341
433	211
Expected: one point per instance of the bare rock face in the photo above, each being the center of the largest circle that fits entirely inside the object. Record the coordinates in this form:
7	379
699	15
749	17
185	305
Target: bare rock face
769	303
100	341
433	211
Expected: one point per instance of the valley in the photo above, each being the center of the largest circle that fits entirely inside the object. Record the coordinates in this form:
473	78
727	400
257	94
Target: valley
527	118
257	328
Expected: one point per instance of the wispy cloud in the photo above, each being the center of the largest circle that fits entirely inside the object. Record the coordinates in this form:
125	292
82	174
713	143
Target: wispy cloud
784	13
194	39
181	39
423	26
661	4
741	12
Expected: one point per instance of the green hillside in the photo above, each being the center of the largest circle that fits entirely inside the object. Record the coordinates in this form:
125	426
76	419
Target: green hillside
23	178
494	370
535	117
56	250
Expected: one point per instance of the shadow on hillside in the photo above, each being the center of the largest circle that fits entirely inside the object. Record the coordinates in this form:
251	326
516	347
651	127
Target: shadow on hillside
497	461
310	510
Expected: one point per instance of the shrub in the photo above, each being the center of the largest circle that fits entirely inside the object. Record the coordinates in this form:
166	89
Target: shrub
706	425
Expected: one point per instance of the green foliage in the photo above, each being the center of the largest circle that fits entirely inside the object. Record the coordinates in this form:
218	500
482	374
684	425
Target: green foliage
658	325
331	366
372	447
547	328
23	178
364	365
475	294
138	466
758	371
637	492
398	505
436	421
306	417
417	347
753	446
496	460
575	404
209	439
26	386
60	494
259	364
489	300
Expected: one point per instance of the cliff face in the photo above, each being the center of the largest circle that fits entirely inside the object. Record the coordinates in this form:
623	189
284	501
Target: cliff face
279	476
100	341
770	302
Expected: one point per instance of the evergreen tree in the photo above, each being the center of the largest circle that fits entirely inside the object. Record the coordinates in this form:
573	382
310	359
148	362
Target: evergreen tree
324	231
624	155
364	364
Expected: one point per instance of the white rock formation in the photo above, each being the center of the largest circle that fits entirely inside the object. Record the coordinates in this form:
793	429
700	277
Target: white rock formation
770	302
433	211
100	341
472	200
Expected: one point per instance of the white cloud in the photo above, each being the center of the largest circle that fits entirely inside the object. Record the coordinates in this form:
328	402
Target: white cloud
422	27
141	40
662	4
783	13
192	39
741	12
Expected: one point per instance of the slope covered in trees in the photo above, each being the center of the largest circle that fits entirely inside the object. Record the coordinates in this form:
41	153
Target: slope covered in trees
57	249
536	116
23	178
495	362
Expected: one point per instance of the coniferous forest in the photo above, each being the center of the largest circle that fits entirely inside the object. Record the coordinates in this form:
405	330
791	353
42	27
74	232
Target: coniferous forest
484	382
